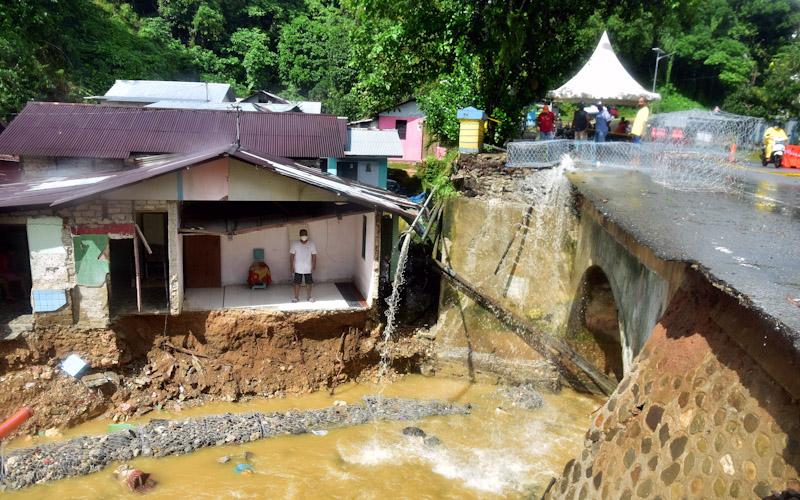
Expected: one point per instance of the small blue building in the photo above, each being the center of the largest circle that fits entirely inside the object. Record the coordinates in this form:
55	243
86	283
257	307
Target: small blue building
367	156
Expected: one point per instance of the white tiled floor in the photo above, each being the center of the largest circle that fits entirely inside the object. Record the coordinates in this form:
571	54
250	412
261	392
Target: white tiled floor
276	297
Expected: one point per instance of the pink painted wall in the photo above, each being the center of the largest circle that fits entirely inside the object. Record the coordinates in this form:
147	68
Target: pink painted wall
207	181
412	145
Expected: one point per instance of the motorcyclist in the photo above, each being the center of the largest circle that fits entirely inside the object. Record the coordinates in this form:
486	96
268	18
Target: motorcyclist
772	134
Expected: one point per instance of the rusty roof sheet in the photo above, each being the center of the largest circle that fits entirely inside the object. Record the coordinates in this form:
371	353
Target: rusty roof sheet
93	131
61	190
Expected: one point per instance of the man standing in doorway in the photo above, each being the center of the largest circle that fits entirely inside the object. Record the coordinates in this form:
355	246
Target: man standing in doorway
303	255
640	121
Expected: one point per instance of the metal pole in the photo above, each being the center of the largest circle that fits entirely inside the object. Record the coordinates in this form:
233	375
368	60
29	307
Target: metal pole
138	273
655	73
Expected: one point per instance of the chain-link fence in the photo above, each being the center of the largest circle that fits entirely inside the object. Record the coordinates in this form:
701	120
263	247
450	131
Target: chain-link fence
688	150
706	129
676	166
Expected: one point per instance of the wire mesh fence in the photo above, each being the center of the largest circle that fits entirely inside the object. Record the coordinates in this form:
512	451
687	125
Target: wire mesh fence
707	129
689	150
683	167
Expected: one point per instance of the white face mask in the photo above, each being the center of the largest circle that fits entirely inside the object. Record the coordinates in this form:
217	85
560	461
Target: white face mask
304	238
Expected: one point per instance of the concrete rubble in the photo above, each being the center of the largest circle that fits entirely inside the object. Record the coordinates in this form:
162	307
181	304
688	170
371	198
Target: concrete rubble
161	438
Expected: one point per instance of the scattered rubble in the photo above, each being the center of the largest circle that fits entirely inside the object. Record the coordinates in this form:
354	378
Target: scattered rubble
413	432
523	396
485	175
161	438
432	441
137	366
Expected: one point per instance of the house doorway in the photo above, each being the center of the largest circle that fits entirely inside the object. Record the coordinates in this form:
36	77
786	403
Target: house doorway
15	274
122	283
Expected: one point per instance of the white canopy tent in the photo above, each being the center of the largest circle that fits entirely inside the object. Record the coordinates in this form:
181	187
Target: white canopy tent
602	78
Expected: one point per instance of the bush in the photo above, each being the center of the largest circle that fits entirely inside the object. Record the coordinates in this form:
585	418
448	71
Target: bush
435	175
673	100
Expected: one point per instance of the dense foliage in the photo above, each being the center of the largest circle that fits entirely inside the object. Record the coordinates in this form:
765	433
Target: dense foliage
362	56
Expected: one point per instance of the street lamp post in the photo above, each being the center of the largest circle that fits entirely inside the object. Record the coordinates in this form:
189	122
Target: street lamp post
660	54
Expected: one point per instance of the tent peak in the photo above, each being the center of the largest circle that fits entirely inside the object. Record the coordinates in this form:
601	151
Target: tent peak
602	78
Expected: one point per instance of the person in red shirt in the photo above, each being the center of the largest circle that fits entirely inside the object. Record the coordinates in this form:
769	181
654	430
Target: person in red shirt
546	122
622	126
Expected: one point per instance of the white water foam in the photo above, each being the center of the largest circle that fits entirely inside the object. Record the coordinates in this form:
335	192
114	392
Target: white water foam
491	470
503	463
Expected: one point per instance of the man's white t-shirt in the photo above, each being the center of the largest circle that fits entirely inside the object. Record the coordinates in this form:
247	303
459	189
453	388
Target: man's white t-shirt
302	256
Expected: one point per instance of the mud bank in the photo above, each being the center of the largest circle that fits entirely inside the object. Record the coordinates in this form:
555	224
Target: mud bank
147	362
162	438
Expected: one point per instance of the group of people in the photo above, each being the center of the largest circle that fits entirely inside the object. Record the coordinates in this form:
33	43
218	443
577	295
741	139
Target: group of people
602	117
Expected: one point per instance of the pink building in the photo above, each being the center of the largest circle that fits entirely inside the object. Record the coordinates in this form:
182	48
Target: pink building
409	121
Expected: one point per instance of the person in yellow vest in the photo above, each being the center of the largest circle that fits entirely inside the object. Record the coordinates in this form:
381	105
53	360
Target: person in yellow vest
772	134
640	121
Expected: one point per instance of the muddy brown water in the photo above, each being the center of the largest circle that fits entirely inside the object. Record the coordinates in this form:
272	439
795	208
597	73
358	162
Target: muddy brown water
490	453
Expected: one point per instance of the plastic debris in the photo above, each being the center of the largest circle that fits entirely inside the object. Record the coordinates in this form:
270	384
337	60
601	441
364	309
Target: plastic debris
244	469
134	479
73	365
53	433
319	432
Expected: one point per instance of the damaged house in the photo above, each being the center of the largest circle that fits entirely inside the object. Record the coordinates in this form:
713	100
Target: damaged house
129	210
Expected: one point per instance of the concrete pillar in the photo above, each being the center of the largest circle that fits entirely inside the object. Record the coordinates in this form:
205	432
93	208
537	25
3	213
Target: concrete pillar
175	258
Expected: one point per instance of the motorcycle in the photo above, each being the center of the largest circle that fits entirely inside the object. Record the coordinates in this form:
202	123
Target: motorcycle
776	157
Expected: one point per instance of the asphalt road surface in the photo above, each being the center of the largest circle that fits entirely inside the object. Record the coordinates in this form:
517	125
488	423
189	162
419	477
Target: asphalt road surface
748	239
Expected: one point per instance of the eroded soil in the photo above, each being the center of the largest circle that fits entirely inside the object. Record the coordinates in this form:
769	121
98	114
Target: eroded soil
143	363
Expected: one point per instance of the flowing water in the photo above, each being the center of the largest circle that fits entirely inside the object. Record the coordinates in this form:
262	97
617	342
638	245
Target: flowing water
491	453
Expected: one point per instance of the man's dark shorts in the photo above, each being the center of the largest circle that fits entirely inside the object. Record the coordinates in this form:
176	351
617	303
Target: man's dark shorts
303	279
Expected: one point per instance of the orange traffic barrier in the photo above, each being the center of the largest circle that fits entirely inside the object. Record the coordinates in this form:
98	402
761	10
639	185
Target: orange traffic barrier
791	157
14	421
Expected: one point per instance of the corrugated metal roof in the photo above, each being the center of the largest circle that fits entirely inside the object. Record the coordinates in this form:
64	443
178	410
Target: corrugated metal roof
262	96
158	90
368	142
92	131
309	106
250	107
60	190
356	192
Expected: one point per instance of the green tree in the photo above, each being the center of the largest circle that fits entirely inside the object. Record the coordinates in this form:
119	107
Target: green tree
208	26
315	57
779	94
251	46
450	92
